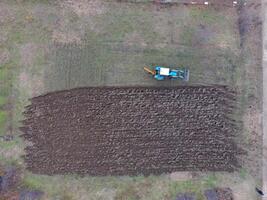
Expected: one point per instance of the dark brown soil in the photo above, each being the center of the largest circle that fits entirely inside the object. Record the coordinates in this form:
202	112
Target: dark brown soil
129	131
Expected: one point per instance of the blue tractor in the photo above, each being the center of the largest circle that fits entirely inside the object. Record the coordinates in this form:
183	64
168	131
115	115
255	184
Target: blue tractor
161	73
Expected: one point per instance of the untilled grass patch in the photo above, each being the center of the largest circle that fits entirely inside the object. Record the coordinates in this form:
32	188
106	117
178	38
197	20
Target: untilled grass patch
118	41
129	131
6	119
117	64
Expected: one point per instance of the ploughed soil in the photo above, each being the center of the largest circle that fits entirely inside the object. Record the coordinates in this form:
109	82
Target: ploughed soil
131	130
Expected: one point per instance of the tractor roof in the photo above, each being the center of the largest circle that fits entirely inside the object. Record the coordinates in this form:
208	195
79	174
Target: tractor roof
164	71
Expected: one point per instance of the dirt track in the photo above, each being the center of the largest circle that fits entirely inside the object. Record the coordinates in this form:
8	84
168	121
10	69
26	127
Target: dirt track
128	131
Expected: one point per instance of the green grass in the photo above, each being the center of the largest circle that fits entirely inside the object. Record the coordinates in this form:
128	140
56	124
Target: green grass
207	16
130	192
188	35
17	37
5	90
17	141
130	188
193	186
33	182
9	161
8	145
209	181
243	173
97	64
117	23
53	186
3	73
3	118
3	100
107	59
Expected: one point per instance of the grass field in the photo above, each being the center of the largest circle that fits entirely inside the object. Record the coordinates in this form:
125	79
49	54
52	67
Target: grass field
127	37
47	46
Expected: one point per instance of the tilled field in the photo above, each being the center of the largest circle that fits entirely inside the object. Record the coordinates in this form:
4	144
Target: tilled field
129	131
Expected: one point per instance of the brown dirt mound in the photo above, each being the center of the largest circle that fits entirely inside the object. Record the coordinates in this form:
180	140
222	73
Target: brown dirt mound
129	131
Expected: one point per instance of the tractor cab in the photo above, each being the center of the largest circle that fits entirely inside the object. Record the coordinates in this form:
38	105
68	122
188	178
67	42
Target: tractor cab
161	72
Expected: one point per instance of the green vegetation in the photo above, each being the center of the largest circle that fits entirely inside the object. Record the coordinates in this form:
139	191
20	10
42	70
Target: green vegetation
3	120
123	40
3	100
207	16
188	35
193	186
4	92
118	23
243	173
140	187
16	142
33	182
210	181
3	117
